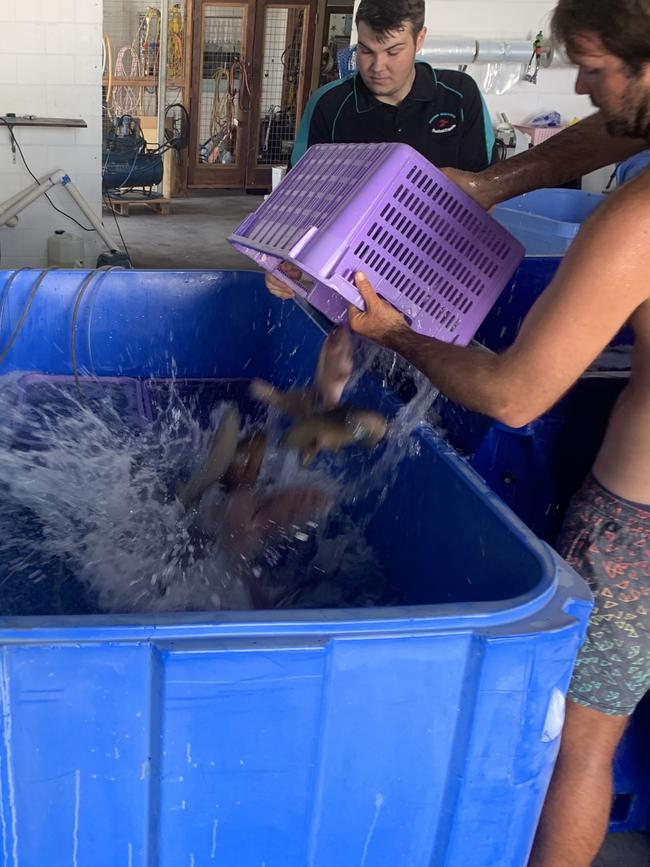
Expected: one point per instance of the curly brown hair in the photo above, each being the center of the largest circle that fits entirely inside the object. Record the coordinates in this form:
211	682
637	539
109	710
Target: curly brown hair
622	25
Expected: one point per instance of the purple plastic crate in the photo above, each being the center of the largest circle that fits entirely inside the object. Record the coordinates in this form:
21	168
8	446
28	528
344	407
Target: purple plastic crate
427	248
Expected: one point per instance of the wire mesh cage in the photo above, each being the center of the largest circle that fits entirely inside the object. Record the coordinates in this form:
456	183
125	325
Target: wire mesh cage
282	79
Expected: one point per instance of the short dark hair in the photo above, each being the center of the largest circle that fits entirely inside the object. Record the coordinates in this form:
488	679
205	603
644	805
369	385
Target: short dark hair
622	25
387	16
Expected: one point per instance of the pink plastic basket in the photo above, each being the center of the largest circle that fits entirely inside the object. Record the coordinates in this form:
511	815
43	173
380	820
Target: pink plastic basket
426	247
538	134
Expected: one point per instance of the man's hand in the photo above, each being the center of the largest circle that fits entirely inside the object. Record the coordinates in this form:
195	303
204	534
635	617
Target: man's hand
379	319
277	287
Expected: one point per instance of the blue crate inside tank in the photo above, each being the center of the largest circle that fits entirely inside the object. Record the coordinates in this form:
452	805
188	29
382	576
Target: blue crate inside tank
117	401
375	735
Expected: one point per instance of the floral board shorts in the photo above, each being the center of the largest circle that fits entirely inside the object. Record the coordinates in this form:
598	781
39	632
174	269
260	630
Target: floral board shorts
607	540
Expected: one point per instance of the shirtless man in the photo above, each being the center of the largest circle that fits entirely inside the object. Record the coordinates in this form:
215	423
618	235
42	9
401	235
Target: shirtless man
602	283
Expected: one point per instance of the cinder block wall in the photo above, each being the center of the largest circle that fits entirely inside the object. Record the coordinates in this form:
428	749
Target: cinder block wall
50	65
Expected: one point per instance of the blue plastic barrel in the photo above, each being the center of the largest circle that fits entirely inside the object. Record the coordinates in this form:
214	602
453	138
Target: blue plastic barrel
547	221
631	167
421	734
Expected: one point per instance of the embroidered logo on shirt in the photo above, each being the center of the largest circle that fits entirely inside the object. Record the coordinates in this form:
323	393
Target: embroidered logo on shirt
442	122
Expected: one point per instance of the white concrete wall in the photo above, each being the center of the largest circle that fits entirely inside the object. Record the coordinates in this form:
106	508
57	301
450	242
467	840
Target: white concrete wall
513	19
510	19
50	66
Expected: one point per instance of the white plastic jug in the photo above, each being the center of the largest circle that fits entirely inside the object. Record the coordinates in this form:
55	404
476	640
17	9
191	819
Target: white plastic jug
65	250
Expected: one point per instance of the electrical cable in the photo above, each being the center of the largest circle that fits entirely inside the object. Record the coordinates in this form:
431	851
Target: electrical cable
179	141
22	155
126	249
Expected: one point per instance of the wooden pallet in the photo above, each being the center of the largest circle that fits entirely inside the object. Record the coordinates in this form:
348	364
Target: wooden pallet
122	206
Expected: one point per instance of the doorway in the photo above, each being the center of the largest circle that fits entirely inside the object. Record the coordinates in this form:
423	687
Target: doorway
251	75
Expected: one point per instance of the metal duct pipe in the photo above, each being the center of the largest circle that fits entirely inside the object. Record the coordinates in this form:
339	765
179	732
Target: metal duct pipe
459	50
504	51
464	49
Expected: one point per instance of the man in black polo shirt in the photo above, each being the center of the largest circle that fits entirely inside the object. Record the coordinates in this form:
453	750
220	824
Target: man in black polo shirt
391	98
440	113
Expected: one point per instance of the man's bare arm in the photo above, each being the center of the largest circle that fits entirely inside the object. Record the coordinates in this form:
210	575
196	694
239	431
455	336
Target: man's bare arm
600	283
577	150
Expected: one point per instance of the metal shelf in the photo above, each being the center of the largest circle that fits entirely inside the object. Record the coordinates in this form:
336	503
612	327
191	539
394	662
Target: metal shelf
32	120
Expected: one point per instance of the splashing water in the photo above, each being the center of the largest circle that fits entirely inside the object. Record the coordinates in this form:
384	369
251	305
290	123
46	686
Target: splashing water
89	520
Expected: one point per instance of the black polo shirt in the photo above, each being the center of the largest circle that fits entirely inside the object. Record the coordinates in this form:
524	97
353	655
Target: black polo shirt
443	117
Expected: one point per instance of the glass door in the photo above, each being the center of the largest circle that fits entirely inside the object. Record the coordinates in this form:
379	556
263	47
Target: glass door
221	95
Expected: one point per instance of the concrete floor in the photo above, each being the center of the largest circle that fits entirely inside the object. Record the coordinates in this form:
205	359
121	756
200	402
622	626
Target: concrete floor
194	235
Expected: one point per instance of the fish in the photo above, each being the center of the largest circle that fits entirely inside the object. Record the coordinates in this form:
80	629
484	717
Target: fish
333	430
225	505
333	370
296	403
221	454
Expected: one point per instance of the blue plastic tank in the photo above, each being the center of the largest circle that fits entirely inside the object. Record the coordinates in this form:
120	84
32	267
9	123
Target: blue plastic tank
631	167
547	221
421	734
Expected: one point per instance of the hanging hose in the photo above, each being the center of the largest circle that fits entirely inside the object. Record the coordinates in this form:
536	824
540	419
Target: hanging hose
221	114
107	65
244	85
126	102
220	117
290	60
28	304
175	43
85	284
88	279
5	291
175	56
150	45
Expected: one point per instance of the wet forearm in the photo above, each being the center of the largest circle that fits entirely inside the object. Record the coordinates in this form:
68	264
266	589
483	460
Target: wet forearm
577	150
469	375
